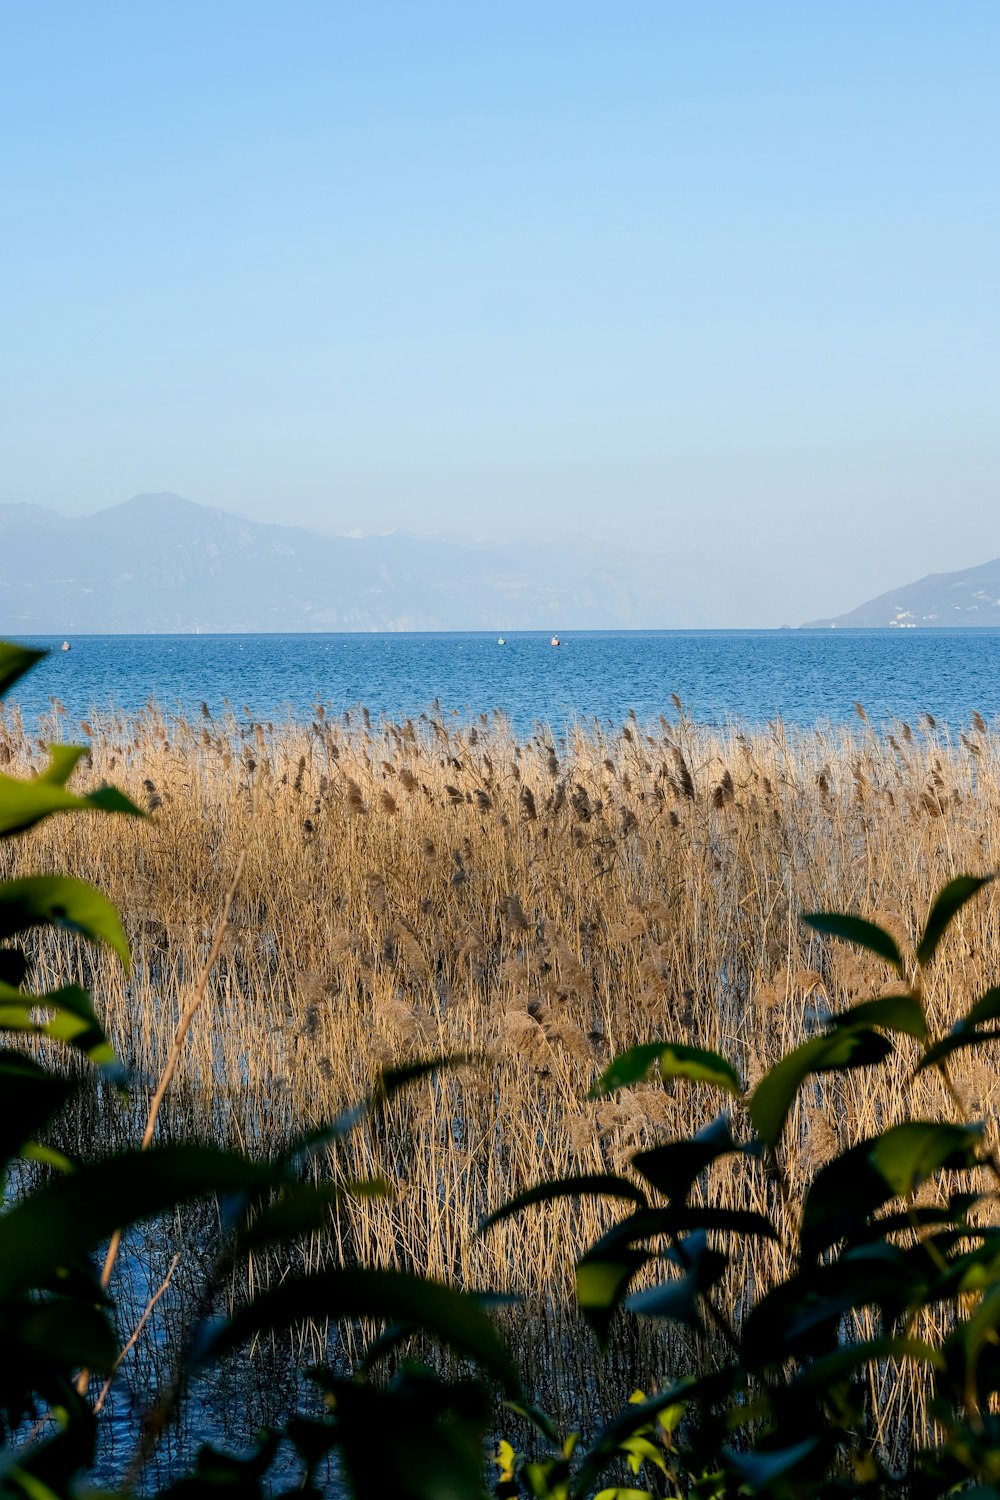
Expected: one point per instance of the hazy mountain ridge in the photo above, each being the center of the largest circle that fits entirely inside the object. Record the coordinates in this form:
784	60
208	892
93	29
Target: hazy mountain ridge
970	596
159	563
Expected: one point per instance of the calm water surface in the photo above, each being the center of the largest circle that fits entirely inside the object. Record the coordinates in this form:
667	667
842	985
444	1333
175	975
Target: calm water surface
803	677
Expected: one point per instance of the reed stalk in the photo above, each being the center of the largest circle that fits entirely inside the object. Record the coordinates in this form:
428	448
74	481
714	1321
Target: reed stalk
432	886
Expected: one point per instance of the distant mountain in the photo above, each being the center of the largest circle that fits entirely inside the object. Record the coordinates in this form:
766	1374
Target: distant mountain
968	597
161	563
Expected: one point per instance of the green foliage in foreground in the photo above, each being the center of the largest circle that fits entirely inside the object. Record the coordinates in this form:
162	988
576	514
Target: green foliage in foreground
782	1406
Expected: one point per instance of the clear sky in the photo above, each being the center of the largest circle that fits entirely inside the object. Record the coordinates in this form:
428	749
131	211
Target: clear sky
714	278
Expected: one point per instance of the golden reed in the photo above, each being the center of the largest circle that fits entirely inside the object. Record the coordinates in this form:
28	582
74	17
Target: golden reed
432	887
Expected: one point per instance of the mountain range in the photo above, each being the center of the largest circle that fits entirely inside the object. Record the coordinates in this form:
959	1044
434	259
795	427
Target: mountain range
160	563
970	596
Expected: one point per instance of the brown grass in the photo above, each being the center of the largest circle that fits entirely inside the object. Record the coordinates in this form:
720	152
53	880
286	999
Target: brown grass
424	887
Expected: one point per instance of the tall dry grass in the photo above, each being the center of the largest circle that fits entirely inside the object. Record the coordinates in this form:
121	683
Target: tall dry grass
427	887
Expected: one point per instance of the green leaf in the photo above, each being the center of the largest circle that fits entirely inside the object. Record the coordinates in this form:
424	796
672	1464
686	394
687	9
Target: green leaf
842	1196
38	900
652	1223
13	967
802	1317
25	803
850	1189
986	1008
857	930
63	761
388	1084
966	1033
891	1012
302	1208
70	997
392	1081
640	1450
421	1439
982	1328
538	1418
620	1493
634	1417
394	1296
906	1155
48	1156
65	1331
955	1041
22	1482
70	1216
821	1373
387	1342
217	1472
109	799
588	1184
760	1471
675	1060
73	1021
843	1049
602	1279
977	1270
679	1299
673	1168
949	902
30	1098
14	662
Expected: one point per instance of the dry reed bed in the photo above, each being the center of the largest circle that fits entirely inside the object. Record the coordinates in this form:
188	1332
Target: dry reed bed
429	887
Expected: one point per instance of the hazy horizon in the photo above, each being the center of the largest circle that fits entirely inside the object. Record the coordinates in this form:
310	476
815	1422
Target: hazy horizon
714	281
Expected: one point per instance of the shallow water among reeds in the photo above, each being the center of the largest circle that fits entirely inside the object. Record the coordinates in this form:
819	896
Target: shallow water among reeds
415	889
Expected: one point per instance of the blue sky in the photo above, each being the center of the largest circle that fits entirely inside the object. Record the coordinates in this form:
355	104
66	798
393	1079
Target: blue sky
715	279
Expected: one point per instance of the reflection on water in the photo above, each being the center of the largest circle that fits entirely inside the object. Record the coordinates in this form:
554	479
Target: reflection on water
225	1405
229	1404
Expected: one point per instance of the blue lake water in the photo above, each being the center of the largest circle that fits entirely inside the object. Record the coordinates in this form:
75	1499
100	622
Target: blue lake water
803	677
